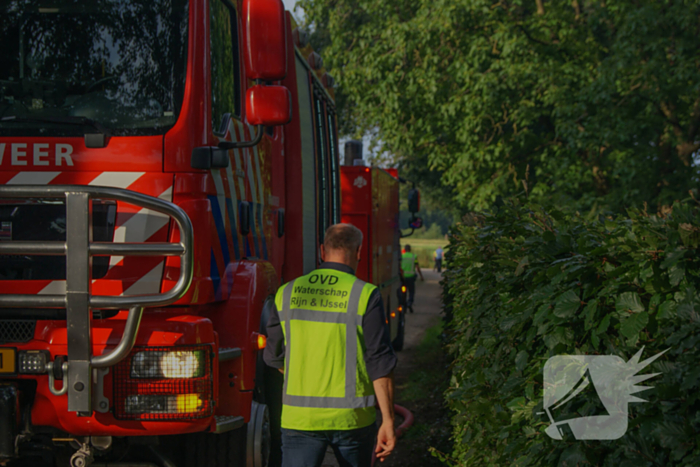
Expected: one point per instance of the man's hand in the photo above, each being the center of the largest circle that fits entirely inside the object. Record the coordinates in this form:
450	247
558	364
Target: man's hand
386	437
386	440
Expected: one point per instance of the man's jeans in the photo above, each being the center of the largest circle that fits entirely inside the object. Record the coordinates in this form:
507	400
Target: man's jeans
353	448
410	283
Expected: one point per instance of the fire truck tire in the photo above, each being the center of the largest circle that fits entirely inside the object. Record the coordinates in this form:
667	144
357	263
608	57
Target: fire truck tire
272	390
397	344
268	390
258	437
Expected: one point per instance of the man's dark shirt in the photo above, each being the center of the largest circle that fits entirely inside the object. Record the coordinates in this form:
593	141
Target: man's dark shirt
380	358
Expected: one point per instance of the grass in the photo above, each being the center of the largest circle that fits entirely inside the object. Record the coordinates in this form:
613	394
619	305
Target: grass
425	242
421	382
424	249
422	393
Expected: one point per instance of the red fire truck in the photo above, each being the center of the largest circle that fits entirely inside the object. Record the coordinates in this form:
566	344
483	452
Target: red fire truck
164	166
371	203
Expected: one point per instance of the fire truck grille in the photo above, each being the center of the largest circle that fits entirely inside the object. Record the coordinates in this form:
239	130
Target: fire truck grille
16	330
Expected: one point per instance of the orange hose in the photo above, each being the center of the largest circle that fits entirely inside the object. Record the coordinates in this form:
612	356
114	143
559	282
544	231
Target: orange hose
407	420
403	428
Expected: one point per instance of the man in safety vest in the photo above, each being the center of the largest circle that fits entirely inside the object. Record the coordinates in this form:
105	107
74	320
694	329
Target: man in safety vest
409	266
327	333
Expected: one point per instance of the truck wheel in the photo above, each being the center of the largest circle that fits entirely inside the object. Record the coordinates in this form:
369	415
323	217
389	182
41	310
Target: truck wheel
259	440
272	393
269	384
397	344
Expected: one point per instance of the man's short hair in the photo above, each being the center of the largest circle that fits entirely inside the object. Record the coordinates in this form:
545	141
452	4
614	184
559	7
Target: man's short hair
344	237
407	248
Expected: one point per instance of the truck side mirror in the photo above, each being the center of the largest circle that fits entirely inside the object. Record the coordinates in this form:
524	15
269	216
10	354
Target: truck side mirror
265	56
415	223
265	49
413	200
268	105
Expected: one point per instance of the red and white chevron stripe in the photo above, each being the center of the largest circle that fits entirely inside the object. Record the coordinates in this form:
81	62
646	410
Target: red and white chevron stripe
126	276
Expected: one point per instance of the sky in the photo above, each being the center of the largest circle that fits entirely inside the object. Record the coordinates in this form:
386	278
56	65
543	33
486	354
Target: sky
289	5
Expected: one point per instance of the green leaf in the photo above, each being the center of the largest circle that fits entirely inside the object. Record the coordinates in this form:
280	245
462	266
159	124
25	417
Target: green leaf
573	456
557	336
691	379
521	360
589	311
517	404
629	301
603	326
634	324
690	234
510	321
666	309
673	257
567	304
521	266
654	303
676	274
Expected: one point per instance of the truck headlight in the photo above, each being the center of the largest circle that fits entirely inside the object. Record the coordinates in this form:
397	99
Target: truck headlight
171	364
165	383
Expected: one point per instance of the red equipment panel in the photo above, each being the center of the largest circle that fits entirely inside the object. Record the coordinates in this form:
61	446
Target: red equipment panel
385	226
361	221
371	203
356	185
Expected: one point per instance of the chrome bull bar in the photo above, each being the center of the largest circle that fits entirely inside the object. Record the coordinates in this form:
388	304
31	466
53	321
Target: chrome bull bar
78	300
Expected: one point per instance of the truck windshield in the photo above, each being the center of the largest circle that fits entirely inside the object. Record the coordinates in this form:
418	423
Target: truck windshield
120	63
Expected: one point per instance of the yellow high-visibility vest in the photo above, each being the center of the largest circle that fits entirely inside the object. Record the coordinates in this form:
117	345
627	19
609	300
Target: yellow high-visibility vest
408	264
326	385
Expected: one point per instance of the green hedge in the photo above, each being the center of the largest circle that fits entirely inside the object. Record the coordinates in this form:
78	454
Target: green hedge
525	285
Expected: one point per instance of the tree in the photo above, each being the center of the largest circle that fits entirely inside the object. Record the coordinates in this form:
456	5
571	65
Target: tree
596	104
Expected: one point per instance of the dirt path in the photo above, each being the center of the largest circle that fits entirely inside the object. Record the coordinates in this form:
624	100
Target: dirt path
412	449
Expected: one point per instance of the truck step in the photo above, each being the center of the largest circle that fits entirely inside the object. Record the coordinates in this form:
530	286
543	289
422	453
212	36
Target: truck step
226	423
